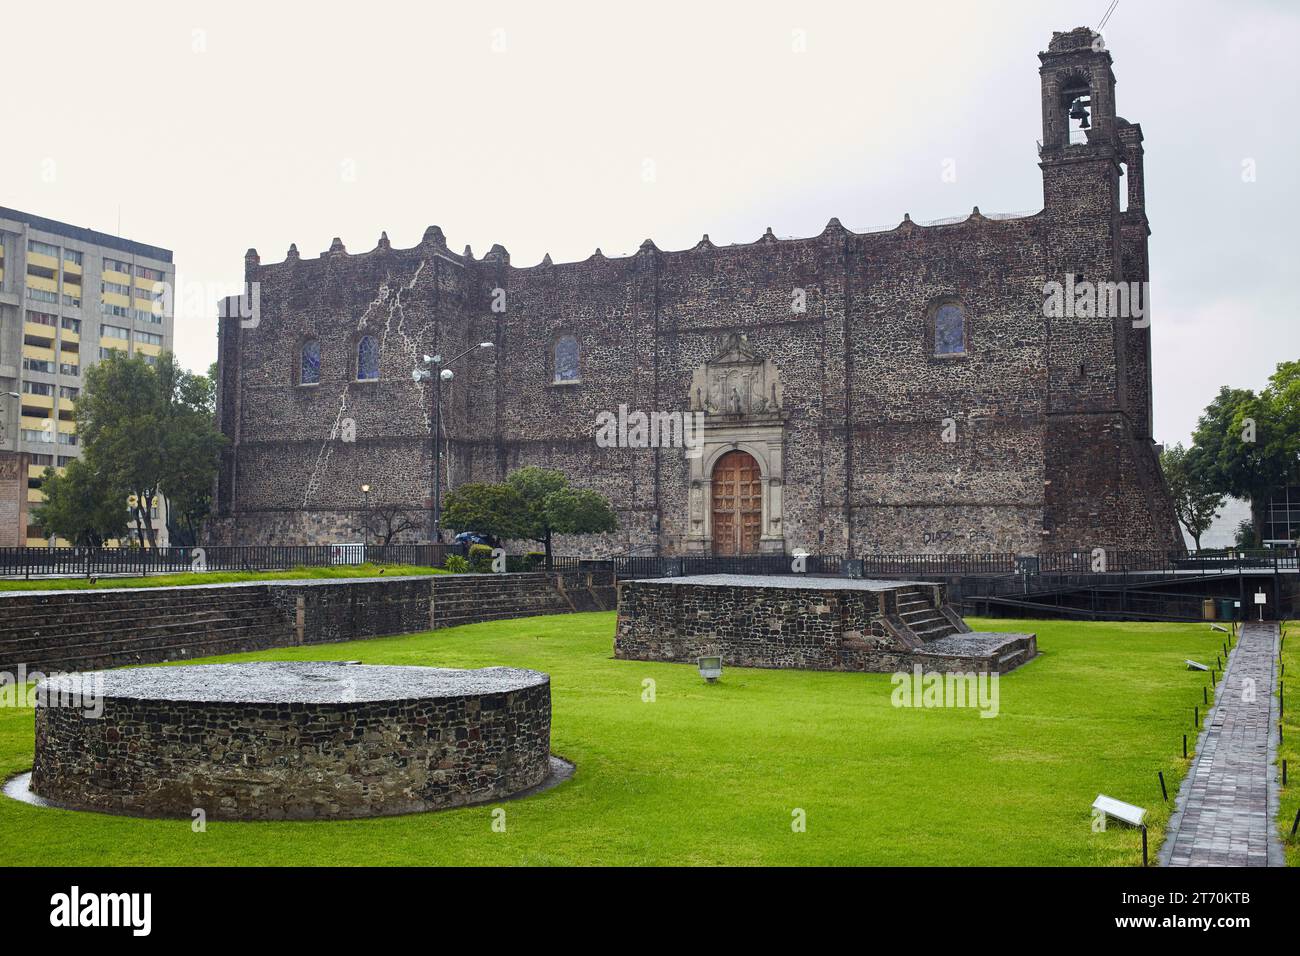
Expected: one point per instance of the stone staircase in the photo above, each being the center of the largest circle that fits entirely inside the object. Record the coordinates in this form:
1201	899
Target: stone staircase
470	598
917	611
83	630
940	640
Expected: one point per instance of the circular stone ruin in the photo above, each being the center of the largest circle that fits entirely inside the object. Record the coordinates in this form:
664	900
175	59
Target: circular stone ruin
284	740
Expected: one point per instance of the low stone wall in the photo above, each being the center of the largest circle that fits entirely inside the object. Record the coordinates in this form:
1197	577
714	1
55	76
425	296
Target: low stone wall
333	610
279	740
813	623
807	623
111	627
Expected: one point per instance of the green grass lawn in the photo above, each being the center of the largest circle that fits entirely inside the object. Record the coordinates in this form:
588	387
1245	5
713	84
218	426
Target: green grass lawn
215	577
1290	749
711	774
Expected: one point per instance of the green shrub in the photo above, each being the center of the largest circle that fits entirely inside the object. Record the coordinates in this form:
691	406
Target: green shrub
456	564
480	558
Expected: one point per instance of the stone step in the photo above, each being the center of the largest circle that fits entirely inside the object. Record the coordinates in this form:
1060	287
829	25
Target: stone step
491	592
923	611
904	610
493	585
490	614
488	596
74	612
522	600
100	654
53	617
143	637
471	592
470	603
135	597
492	595
15	646
931	631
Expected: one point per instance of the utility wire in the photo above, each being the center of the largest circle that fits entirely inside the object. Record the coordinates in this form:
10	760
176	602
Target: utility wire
1109	10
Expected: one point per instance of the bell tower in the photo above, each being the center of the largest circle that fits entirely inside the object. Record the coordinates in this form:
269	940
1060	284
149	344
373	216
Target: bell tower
1079	152
1080	157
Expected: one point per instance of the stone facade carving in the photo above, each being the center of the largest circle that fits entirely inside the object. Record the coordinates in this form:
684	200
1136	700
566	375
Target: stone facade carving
736	382
739	394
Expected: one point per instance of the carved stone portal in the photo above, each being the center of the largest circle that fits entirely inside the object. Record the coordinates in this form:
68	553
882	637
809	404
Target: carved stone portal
736	382
741	398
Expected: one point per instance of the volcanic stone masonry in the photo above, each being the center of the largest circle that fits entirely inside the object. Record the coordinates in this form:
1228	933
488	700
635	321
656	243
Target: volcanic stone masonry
290	739
895	391
807	623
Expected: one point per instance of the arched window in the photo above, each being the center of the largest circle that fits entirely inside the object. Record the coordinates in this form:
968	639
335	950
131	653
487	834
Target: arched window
566	359
1076	103
368	359
309	363
949	329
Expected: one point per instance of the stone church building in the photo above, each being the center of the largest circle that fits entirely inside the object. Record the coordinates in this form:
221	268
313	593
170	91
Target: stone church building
898	391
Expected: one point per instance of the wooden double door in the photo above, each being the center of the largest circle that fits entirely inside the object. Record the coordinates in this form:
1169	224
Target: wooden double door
737	504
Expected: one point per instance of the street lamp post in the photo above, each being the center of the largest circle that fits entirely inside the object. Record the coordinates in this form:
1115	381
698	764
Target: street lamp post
436	365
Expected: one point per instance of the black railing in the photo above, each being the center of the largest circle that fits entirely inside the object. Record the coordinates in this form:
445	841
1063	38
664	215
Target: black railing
43	562
992	563
1106	560
34	562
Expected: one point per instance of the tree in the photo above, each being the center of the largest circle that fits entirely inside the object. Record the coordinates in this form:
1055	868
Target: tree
388	521
493	510
1195	504
117	425
80	507
1241	450
191	447
533	503
551	507
1248	444
147	430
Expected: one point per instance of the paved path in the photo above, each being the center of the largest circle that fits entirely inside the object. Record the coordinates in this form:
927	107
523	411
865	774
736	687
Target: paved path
1226	807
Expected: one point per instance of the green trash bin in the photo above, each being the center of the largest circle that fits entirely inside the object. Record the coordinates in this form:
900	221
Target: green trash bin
1226	611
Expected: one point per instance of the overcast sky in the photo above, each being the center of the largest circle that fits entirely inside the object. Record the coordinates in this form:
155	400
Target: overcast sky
559	127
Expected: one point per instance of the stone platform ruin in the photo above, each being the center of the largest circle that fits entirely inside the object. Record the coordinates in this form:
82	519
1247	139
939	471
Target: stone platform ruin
810	623
283	740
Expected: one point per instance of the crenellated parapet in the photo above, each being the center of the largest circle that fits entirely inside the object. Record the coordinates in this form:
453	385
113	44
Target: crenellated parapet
434	241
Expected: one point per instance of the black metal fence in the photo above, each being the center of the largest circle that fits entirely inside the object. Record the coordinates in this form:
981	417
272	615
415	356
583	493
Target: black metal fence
43	562
33	562
1105	560
1093	603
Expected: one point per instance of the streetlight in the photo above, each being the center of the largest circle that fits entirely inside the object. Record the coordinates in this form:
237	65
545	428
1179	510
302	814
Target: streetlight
444	375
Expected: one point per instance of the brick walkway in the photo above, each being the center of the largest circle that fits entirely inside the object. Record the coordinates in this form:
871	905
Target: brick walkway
1226	808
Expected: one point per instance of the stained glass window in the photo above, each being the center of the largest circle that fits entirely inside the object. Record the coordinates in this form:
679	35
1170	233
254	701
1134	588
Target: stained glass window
566	359
368	358
309	373
949	330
